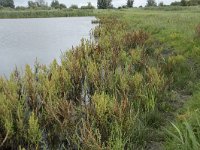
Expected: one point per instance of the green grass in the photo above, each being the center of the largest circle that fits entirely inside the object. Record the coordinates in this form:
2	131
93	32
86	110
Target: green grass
173	28
184	133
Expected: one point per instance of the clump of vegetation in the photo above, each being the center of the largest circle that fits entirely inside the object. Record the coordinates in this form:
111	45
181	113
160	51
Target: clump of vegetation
98	98
96	21
137	38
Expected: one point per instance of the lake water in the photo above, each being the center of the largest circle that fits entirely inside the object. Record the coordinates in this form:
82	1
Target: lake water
24	40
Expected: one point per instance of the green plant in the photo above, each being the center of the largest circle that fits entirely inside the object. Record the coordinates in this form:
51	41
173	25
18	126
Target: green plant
34	133
184	133
185	136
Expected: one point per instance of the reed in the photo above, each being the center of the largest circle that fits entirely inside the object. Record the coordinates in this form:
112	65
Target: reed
45	13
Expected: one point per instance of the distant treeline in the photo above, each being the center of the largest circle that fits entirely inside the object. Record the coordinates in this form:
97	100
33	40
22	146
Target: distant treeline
153	3
186	3
55	4
7	3
38	4
101	4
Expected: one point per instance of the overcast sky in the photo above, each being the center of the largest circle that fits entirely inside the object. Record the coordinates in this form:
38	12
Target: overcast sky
116	3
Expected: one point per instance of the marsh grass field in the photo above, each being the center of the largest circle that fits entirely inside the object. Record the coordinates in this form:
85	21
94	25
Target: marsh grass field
31	13
135	87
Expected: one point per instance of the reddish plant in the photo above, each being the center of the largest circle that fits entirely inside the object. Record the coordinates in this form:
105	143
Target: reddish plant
136	38
198	31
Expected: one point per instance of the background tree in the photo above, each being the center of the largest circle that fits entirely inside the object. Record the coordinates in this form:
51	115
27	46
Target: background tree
175	3
130	3
74	6
7	3
40	3
161	4
194	2
32	4
62	6
55	4
104	4
184	3
151	3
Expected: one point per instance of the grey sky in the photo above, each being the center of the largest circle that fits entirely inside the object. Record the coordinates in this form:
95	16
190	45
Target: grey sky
84	2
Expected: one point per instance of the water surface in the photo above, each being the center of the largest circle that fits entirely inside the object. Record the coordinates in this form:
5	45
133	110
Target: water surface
24	40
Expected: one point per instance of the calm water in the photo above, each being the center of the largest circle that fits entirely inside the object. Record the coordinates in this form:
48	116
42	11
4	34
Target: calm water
24	40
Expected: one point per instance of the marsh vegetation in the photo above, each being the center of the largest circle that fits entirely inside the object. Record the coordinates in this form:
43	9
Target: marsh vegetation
121	91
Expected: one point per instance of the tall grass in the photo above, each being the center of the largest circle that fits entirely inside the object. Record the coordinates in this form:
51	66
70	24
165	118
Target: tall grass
174	8
44	13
